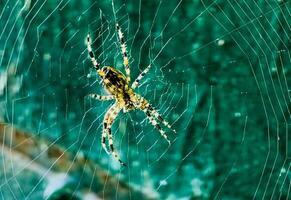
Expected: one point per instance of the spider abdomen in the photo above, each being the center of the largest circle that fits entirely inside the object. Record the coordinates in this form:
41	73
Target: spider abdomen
116	84
113	80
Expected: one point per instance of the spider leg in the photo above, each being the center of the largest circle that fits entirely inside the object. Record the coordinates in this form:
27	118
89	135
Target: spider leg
101	97
151	113
124	53
91	54
160	118
109	118
140	76
157	126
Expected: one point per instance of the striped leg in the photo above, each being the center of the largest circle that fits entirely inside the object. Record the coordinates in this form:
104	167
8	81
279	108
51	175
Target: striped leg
157	115
152	114
91	54
100	97
109	118
140	76
157	126
124	53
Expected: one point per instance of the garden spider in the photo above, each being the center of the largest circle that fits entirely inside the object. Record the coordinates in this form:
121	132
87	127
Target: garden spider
118	85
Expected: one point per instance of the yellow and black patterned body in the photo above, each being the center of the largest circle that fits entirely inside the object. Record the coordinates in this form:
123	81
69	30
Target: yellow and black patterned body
116	84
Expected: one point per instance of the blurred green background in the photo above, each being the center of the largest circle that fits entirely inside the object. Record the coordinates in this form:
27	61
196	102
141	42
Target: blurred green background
221	76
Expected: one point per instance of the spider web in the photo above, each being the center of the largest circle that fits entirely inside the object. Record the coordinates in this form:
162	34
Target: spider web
220	75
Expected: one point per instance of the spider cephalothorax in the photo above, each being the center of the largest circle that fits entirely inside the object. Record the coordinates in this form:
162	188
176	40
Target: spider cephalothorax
120	90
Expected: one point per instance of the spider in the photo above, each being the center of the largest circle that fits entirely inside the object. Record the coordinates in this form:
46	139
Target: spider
118	86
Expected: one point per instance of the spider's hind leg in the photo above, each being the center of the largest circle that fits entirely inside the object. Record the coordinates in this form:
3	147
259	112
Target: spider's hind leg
124	53
91	54
140	76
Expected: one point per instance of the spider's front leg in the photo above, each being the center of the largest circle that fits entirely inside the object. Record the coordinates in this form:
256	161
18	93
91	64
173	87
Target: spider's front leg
153	116
124	53
109	118
102	98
